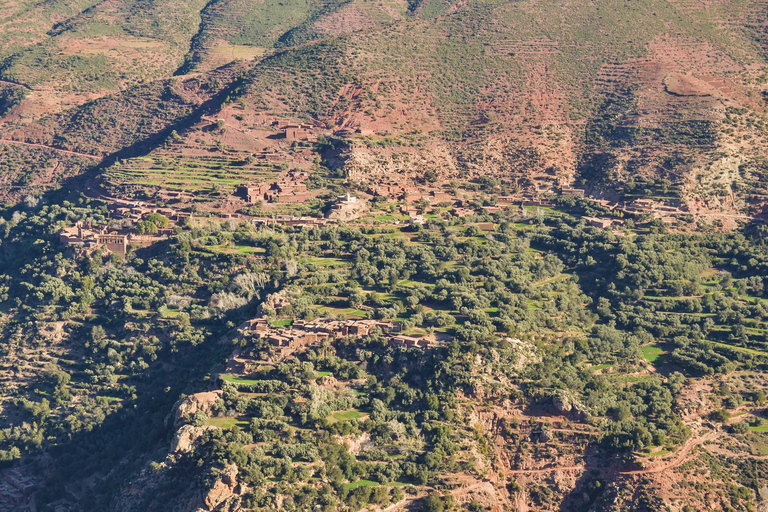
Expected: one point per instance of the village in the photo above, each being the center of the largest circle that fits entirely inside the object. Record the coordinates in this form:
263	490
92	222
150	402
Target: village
284	341
413	202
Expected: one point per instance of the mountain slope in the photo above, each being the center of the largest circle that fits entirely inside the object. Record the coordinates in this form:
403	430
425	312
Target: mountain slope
653	94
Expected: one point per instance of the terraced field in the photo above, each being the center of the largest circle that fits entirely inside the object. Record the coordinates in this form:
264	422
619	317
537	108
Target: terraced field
202	174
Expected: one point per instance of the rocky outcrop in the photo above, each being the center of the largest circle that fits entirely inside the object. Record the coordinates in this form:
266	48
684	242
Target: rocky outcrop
225	493
193	403
327	381
565	403
187	436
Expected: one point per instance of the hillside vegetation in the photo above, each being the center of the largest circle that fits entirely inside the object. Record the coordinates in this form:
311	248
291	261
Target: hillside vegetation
539	94
344	255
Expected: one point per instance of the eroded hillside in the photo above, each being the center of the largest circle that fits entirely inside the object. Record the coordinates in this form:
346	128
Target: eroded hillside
625	99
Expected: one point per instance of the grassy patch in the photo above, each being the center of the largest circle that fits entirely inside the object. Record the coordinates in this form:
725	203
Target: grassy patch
740	349
227	423
235	379
361	483
327	262
351	414
652	454
652	353
347	312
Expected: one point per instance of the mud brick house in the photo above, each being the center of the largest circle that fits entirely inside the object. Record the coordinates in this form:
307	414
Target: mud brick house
568	190
408	341
291	338
298	132
388	190
253	193
440	197
462	212
291	189
598	222
642	206
293	197
258	324
389	327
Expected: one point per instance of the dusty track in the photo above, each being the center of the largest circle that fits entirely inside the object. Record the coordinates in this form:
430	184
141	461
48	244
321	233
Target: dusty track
43	146
680	457
544	470
16	84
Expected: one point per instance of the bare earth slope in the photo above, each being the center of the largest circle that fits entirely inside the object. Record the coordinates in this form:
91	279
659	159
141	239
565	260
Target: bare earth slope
620	97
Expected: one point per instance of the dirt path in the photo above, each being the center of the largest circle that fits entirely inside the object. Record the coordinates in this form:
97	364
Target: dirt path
16	84
680	457
43	146
400	504
579	467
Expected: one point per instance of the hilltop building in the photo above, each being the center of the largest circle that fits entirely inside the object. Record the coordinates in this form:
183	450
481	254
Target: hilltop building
347	207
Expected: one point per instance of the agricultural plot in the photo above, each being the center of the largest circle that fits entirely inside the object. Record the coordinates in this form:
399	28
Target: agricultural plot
200	175
652	353
228	423
351	414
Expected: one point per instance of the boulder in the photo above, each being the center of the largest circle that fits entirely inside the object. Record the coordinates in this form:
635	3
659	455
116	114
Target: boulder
327	381
193	403
224	489
562	401
187	436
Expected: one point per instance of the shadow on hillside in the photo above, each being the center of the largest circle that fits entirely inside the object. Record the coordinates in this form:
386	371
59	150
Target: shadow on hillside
591	486
90	468
86	182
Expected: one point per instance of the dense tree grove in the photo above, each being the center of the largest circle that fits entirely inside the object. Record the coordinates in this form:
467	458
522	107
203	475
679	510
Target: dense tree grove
521	314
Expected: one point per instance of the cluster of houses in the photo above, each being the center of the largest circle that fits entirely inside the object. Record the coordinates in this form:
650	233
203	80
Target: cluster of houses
86	236
270	154
118	239
290	189
641	206
303	333
568	190
645	206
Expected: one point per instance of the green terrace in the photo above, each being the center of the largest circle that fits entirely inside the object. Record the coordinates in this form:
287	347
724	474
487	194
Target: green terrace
188	174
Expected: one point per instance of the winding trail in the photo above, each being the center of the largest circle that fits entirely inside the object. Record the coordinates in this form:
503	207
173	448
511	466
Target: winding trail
680	457
579	467
16	84
43	146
